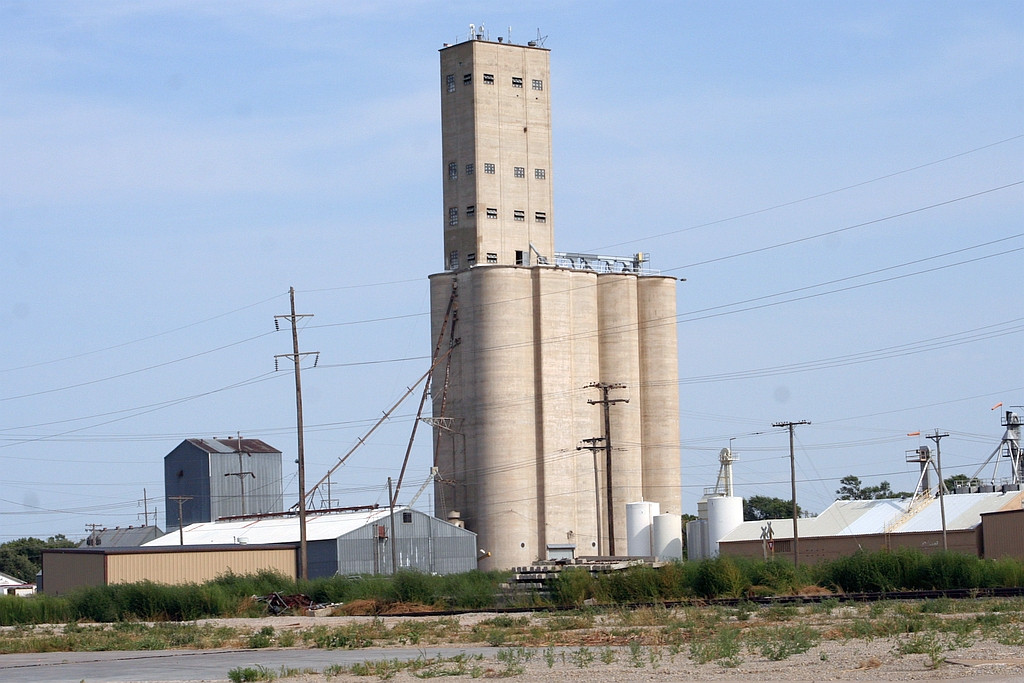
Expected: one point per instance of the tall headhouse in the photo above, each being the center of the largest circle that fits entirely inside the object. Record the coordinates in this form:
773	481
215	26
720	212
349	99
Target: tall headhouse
550	355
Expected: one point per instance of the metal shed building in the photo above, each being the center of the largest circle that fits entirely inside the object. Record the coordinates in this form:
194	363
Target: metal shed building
357	542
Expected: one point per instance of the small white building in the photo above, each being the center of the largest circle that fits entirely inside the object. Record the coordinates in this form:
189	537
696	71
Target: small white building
10	585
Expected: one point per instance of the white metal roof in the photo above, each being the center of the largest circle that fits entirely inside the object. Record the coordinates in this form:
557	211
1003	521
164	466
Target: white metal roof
864	517
273	529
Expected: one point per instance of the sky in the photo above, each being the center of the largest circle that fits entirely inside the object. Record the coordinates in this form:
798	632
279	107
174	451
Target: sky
838	184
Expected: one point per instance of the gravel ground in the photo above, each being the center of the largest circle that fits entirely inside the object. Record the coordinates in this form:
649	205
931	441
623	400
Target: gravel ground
852	660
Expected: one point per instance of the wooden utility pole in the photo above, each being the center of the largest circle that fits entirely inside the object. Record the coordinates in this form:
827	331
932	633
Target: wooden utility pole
296	359
394	539
792	479
936	437
180	500
606	402
241	474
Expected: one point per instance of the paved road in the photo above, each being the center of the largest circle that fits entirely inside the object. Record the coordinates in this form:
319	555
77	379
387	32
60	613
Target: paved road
193	665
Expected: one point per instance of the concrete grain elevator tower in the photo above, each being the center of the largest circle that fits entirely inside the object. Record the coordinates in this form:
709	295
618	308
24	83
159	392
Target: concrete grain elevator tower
543	348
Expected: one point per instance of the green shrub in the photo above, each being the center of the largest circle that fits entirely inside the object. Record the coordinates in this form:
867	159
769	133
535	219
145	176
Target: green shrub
572	586
720	577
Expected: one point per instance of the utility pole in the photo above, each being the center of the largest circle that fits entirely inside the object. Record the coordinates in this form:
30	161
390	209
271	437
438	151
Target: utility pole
240	473
296	359
92	529
394	540
594	445
792	480
145	510
180	500
607	402
936	437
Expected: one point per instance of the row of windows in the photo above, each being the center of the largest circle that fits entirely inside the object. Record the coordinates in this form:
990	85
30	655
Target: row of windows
453	214
467	79
517	171
492	257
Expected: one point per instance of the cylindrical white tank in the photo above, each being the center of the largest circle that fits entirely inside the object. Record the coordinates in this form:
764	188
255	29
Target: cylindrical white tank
696	539
639	528
668	537
725	513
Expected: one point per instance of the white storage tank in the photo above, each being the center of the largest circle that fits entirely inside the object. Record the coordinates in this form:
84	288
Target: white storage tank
696	539
668	537
725	513
639	528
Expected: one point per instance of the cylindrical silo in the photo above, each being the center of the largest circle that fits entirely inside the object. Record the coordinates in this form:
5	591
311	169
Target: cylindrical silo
618	340
566	348
639	528
725	513
499	423
668	537
659	391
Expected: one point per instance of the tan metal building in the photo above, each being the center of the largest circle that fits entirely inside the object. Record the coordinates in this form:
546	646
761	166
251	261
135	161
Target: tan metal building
65	569
851	525
1002	534
532	331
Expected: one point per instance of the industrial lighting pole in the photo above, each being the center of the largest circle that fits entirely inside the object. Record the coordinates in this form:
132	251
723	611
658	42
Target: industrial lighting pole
792	480
296	358
936	437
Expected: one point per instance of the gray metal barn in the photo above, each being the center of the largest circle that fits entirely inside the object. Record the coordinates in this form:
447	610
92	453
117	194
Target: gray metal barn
349	542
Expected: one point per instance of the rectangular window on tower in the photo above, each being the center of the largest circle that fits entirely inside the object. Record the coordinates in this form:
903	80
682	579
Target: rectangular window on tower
540	217
492	213
519	215
519	172
517	82
453	260
470	258
539	174
489	168
492	257
467	79
538	84
520	258
470	211
488	79
450	79
453	171
453	215
469	169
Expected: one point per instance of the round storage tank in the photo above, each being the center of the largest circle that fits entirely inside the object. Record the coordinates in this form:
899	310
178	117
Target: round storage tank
668	537
725	513
696	537
639	528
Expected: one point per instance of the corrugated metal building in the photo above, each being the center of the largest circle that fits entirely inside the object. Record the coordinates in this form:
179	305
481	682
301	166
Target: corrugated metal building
350	542
222	478
121	537
851	525
65	569
1002	534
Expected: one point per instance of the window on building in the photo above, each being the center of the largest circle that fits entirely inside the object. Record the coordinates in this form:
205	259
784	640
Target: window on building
517	82
540	217
540	173
488	79
453	171
519	172
407	518
538	84
470	211
453	260
467	79
520	257
453	215
519	215
492	257
492	213
469	169
489	168
451	82
470	258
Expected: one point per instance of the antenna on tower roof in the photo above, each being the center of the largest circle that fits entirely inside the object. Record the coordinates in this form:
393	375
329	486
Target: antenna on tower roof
540	40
